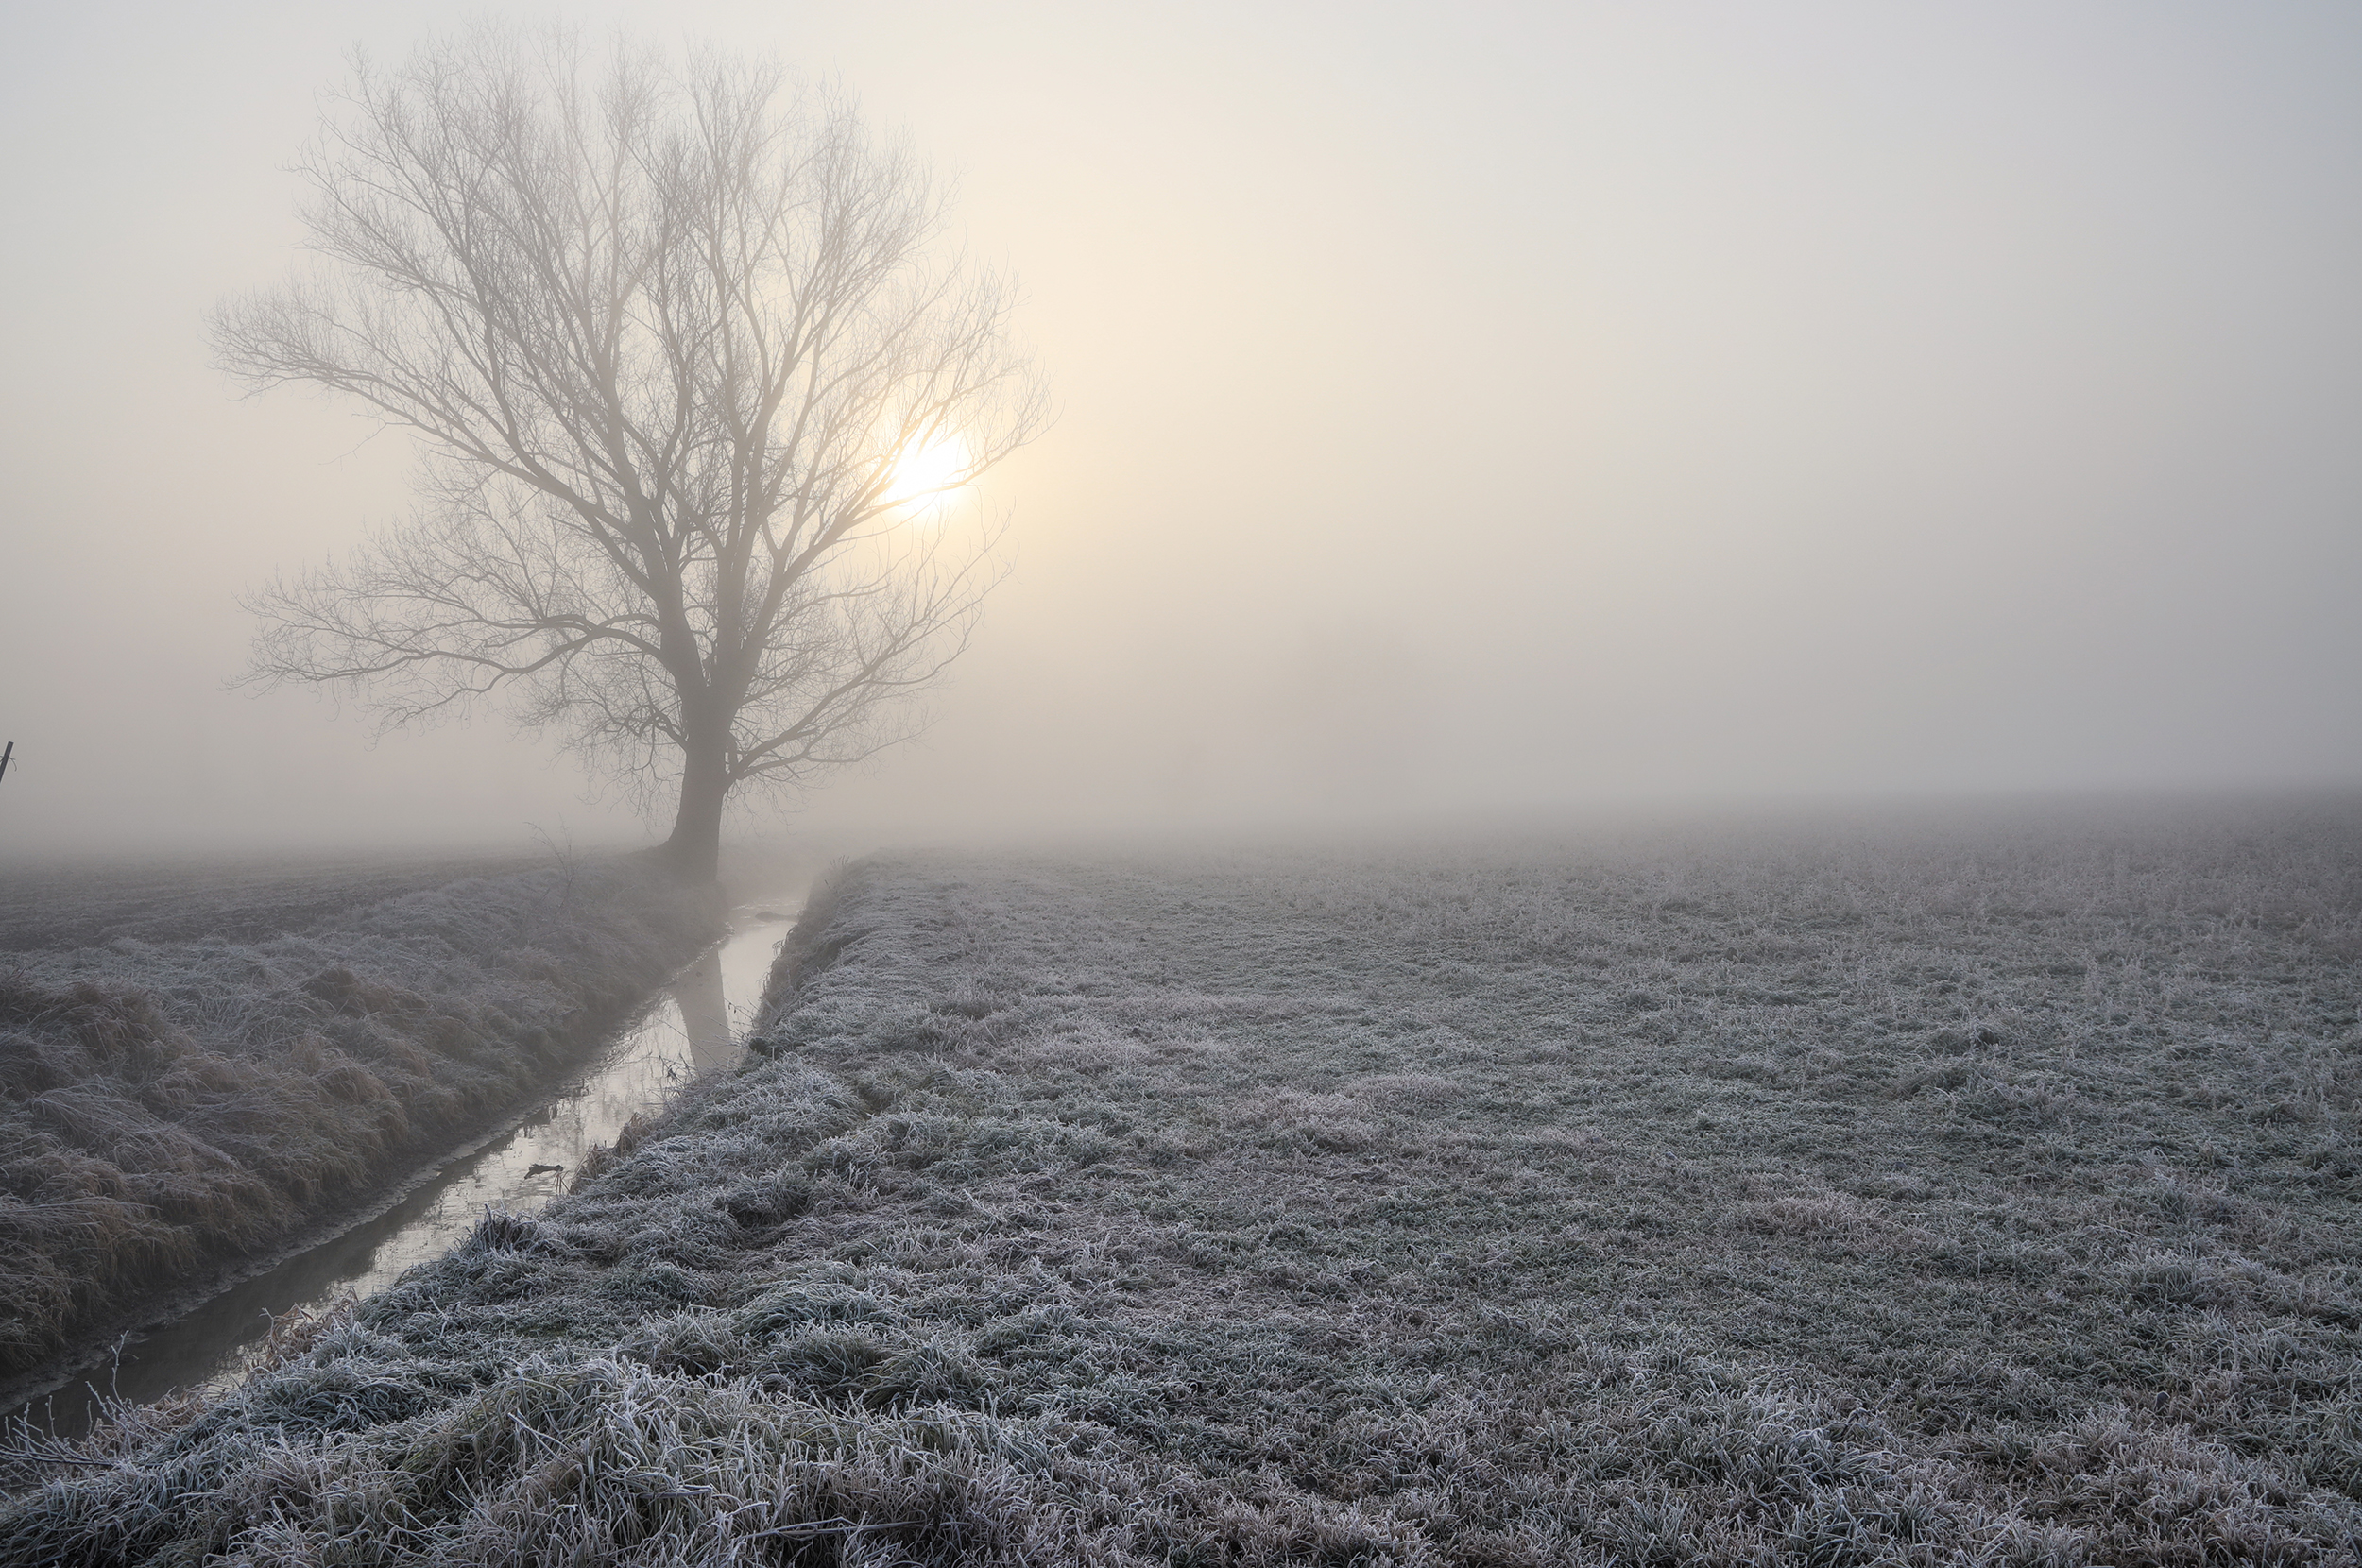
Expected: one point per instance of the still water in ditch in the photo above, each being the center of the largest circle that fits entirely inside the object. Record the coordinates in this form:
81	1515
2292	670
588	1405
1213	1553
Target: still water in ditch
688	1029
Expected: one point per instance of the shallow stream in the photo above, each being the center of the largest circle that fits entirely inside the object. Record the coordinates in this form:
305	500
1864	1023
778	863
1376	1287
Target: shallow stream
691	1027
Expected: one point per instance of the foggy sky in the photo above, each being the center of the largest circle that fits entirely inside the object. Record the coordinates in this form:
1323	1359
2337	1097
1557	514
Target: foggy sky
1463	408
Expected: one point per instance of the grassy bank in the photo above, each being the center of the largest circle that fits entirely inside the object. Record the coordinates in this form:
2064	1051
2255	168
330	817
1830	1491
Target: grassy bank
53	902
173	1107
1831	1201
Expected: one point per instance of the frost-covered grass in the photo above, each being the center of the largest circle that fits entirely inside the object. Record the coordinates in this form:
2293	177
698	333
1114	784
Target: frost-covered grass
168	1108
87	900
1823	1201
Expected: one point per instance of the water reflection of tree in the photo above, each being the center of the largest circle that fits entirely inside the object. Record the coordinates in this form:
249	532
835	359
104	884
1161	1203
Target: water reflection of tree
705	1014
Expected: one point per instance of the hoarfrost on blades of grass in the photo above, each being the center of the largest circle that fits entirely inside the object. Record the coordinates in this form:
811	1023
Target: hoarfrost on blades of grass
1986	1201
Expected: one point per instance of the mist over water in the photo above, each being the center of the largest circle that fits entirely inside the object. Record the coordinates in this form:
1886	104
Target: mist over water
1465	413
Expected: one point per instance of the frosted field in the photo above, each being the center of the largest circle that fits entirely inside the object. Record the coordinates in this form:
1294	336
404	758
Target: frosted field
82	901
1831	1199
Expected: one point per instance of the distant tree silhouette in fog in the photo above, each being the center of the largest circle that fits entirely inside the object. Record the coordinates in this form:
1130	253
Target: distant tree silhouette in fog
684	363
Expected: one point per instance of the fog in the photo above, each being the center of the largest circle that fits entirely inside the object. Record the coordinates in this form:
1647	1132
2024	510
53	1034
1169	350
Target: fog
1463	411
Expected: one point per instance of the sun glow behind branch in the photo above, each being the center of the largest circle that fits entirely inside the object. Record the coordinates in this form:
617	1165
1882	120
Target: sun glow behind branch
928	477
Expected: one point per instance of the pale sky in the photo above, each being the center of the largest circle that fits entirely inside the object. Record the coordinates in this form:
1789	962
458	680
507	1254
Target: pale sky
1463	409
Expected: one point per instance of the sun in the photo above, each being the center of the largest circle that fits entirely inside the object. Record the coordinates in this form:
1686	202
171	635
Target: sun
929	471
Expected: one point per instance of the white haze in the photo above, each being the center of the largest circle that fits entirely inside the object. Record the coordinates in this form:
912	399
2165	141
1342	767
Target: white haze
1465	409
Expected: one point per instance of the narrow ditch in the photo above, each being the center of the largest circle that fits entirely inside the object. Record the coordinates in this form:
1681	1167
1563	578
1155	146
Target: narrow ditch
689	1028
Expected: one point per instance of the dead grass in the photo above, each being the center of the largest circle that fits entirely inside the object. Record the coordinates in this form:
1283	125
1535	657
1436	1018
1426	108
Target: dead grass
1818	1202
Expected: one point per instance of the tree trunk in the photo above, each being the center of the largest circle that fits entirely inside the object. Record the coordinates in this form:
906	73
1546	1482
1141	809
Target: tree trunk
695	847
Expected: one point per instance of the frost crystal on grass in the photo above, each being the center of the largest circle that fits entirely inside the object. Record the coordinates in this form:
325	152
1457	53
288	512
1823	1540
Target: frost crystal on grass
1987	1202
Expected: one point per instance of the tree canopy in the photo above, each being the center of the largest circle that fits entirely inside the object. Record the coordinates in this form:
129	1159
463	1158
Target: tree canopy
685	365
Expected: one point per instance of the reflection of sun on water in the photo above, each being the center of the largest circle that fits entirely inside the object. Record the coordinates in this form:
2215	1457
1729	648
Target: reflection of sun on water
925	475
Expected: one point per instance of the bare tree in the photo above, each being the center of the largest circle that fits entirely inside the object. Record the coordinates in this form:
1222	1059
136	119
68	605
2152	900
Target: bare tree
684	365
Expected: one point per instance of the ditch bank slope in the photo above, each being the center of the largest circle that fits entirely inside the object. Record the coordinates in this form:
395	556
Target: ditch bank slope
177	1111
1987	1204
